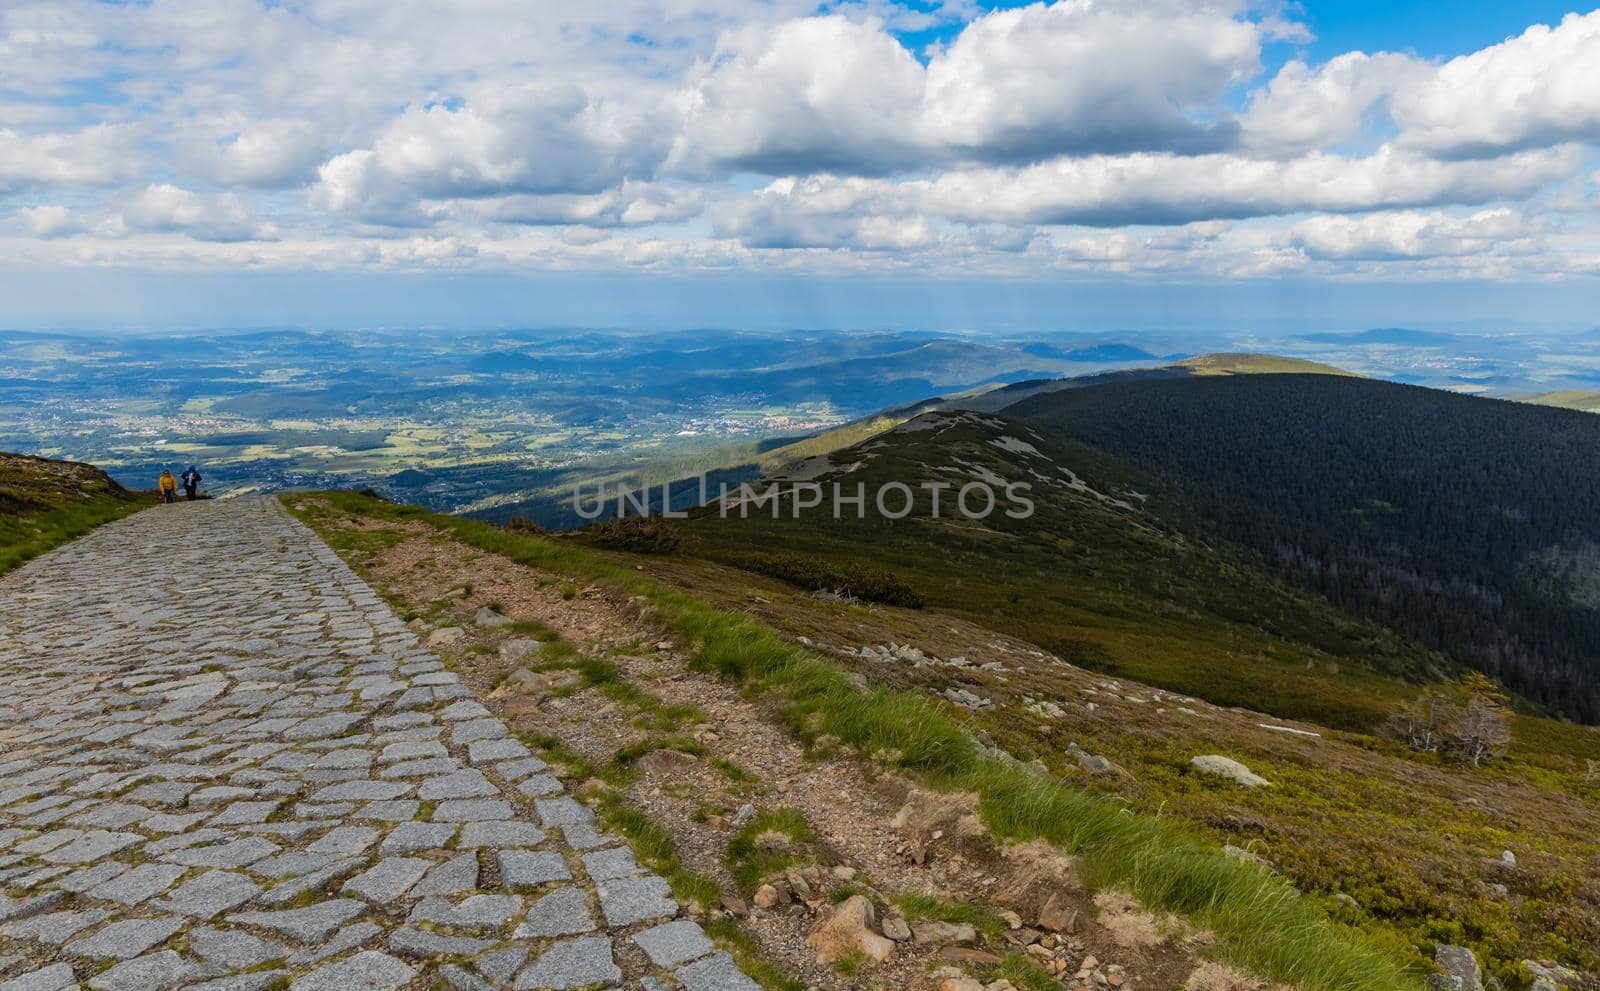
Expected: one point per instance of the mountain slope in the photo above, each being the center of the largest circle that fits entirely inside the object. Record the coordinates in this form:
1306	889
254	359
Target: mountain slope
1130	593
44	503
1097	574
1579	399
1467	524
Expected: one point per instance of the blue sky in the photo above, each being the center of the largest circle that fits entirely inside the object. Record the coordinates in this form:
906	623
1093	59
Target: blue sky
1078	163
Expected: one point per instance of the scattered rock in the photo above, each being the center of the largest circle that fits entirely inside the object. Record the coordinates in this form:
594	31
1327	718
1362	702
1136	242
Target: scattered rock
1551	976
896	928
951	819
1460	968
848	929
490	618
968	700
766	896
743	817
935	933
447	636
538	684
1092	763
1248	856
1058	916
1035	876
519	648
1229	768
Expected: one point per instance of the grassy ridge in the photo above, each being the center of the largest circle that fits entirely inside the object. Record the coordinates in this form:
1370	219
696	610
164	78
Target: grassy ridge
1264	924
44	504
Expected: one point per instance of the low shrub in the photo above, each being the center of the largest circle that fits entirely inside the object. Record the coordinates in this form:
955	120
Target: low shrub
863	581
639	534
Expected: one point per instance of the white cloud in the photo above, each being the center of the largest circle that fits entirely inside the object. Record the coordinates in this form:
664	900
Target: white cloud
1086	76
51	221
1075	76
267	154
1036	139
1173	189
1141	189
92	156
537	140
1538	89
1304	108
824	212
1401	235
814	94
629	204
165	208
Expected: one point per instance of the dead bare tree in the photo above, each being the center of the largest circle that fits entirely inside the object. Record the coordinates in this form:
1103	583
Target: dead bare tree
1468	719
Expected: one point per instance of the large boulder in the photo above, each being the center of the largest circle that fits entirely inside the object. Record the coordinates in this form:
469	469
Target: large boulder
1227	767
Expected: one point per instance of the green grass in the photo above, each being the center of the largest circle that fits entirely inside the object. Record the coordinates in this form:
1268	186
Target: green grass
44	504
751	862
1263	923
916	906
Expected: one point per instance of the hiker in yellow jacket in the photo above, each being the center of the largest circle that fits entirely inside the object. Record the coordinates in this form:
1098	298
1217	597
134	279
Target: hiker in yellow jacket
169	486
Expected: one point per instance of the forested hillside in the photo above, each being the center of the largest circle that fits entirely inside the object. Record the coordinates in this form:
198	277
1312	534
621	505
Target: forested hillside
1468	524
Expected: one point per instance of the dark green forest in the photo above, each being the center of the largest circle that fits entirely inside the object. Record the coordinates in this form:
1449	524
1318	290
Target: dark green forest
1468	524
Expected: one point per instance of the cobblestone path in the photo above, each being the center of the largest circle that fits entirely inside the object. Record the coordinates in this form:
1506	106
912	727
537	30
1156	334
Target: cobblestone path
226	765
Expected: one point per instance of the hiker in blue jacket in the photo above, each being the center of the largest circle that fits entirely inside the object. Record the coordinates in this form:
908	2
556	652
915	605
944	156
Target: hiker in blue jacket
191	482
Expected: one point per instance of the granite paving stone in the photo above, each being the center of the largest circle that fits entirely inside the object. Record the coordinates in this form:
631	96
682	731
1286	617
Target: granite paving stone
388	879
531	868
209	894
674	943
128	938
563	912
138	884
153	972
369	970
572	963
716	973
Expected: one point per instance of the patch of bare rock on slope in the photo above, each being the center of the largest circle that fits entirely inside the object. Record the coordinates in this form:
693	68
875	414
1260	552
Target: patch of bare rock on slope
830	918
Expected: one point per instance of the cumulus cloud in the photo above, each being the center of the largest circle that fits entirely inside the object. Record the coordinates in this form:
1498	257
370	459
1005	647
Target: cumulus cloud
1305	108
1538	89
1141	189
537	140
1407	235
51	221
91	156
165	208
266	154
1171	189
628	205
824	212
1075	76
